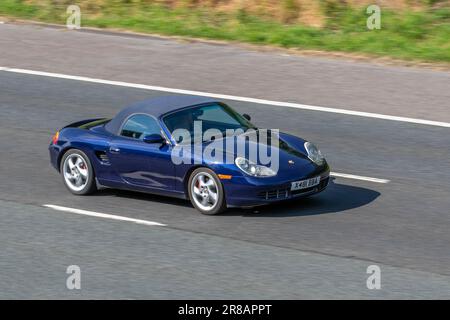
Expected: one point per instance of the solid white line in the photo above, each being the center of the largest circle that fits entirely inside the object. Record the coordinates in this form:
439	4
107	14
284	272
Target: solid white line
352	176
230	97
103	215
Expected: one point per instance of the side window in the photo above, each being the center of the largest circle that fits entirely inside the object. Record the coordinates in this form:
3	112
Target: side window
139	126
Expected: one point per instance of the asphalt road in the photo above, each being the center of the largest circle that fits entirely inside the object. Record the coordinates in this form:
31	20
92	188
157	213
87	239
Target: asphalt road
398	91
315	248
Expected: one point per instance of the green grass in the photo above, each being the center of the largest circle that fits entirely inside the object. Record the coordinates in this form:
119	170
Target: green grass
423	35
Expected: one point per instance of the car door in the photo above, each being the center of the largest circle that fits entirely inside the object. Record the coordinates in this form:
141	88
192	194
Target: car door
139	163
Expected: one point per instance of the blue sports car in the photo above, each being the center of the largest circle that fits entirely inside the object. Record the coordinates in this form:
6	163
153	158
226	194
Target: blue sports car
188	147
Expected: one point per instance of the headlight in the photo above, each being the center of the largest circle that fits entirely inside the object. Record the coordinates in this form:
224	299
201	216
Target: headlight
314	153
253	169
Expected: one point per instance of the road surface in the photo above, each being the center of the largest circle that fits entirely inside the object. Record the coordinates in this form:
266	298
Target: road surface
315	248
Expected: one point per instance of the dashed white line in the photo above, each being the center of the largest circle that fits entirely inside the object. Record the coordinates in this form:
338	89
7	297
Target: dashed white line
103	215
355	177
230	97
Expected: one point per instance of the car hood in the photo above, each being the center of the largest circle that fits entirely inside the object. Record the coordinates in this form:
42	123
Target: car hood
292	156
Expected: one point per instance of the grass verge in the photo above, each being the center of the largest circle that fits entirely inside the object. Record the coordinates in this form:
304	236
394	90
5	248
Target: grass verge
420	35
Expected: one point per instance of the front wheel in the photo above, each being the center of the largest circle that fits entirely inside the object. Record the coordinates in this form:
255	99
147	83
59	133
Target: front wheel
206	192
77	172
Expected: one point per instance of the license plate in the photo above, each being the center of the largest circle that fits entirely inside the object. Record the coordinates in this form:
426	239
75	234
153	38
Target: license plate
304	184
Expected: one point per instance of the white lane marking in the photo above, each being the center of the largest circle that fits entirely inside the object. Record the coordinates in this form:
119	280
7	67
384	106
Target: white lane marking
102	215
352	176
230	97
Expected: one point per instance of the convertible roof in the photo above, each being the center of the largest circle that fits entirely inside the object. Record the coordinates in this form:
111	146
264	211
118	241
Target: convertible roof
155	107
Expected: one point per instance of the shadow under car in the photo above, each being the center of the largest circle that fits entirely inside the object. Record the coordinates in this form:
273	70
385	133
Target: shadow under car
335	199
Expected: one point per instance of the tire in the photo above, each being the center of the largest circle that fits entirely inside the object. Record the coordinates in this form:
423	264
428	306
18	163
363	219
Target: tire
202	185
77	172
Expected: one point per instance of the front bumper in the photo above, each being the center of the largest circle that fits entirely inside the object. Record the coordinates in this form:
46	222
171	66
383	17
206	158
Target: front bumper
249	192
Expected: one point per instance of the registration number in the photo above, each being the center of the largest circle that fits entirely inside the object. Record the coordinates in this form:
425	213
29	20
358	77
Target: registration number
304	184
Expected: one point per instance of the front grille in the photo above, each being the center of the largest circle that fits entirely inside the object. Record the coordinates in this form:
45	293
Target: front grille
274	194
286	192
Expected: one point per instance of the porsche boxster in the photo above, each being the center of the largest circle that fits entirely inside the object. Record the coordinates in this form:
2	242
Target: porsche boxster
141	149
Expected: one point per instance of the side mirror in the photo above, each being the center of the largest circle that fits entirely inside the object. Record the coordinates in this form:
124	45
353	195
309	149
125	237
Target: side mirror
246	116
154	138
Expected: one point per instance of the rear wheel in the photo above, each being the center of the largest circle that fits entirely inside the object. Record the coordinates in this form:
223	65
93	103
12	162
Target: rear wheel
77	172
206	192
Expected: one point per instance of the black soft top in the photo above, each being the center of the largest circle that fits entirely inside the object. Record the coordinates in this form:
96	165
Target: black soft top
156	107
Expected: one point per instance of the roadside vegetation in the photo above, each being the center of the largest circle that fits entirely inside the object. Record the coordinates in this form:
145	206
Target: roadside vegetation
410	30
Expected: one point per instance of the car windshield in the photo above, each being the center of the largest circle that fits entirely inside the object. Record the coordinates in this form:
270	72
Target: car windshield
212	116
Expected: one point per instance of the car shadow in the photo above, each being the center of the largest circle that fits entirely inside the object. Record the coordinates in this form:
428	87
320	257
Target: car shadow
336	198
135	195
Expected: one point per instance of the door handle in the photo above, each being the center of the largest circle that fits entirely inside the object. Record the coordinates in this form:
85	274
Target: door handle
114	150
